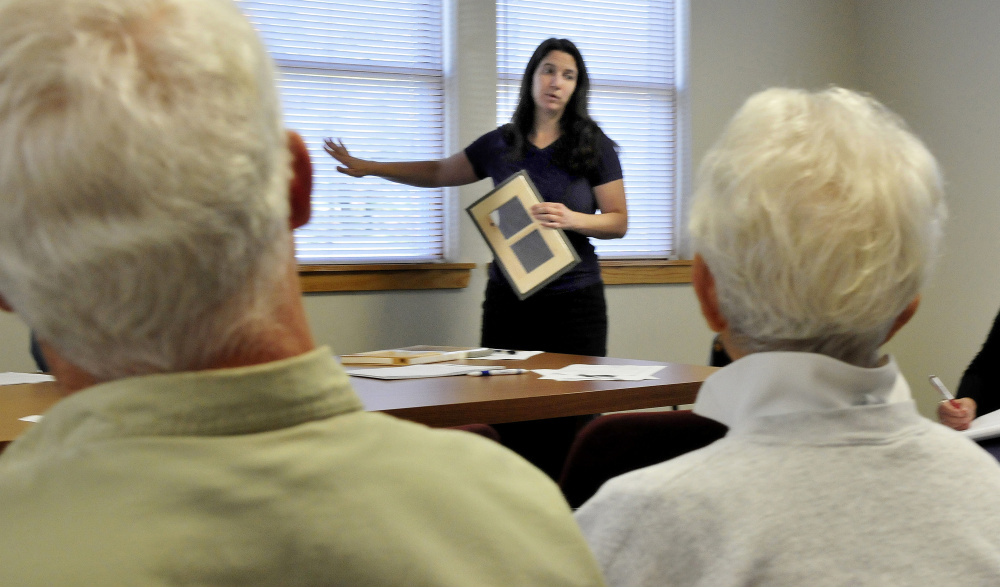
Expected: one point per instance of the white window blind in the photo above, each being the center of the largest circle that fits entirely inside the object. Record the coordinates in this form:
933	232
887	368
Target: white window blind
371	73
631	52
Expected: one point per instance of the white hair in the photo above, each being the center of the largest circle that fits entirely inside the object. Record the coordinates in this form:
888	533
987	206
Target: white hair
819	216
143	180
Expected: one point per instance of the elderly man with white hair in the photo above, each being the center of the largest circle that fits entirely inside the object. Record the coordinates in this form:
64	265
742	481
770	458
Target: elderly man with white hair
815	222
148	194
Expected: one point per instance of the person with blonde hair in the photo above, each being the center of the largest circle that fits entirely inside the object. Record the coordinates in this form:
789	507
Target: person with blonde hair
815	223
148	193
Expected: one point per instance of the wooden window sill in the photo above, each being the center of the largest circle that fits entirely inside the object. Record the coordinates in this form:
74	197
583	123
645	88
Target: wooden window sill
331	278
645	271
399	276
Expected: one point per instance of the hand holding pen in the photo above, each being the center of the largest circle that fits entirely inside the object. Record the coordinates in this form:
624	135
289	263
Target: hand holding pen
953	413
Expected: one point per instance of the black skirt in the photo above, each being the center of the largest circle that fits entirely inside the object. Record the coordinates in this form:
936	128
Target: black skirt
573	322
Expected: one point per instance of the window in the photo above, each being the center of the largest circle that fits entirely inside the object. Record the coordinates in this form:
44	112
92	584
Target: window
631	51
370	72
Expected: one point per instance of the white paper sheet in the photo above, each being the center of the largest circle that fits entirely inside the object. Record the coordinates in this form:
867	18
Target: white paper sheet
416	371
601	372
985	426
18	378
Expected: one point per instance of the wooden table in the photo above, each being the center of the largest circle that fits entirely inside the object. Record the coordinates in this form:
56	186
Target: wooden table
453	401
27	399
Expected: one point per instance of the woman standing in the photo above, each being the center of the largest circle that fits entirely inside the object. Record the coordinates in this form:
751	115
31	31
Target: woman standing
576	169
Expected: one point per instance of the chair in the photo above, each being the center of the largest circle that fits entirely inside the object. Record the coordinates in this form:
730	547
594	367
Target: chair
480	429
614	444
718	357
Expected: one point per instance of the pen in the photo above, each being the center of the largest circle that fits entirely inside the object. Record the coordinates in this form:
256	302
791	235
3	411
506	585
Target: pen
487	372
944	392
504	352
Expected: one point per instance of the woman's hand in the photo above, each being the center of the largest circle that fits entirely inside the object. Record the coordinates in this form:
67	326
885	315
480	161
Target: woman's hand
612	222
351	165
556	215
960	417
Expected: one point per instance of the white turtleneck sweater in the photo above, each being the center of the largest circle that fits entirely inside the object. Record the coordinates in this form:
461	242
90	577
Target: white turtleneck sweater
828	476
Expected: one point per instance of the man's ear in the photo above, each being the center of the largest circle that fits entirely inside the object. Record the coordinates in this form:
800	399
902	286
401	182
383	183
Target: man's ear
704	288
300	186
903	318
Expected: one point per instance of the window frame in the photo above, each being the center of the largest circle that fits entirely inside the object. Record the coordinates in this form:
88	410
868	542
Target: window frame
376	74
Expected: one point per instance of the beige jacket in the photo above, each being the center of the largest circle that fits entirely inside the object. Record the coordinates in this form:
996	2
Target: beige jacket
271	475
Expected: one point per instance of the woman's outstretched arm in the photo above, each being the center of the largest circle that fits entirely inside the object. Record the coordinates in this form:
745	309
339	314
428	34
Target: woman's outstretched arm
452	171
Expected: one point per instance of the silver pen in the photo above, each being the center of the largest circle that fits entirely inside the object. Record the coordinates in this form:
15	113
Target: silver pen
944	391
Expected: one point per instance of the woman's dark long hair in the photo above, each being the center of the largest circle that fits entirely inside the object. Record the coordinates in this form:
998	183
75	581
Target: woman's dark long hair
577	150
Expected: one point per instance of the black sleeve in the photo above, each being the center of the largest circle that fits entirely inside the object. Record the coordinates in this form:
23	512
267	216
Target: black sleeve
981	380
481	151
609	167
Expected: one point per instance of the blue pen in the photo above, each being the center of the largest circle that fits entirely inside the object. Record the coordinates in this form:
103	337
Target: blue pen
487	372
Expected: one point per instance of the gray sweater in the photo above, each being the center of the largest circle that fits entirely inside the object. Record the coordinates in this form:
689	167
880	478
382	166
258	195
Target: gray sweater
828	476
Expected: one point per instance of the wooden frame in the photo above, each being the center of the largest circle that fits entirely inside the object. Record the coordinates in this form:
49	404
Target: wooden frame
530	255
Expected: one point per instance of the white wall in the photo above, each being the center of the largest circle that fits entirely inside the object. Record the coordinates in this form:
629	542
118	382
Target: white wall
936	63
738	48
14	345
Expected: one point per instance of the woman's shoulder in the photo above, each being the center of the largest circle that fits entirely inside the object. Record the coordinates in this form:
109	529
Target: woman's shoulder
498	134
589	133
608	165
604	142
494	139
605	147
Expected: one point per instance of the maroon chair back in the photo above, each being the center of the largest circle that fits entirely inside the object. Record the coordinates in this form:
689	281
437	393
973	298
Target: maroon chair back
614	444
